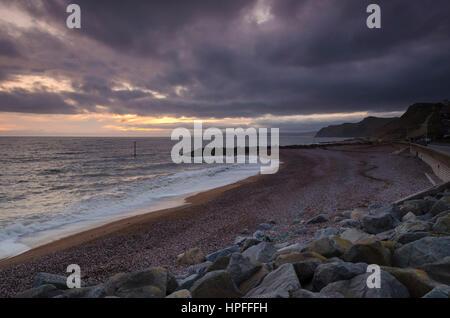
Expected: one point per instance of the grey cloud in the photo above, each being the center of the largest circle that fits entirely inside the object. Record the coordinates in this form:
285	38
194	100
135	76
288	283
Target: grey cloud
36	103
314	56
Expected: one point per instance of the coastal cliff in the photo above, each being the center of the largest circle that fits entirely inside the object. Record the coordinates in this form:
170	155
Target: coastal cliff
364	128
430	120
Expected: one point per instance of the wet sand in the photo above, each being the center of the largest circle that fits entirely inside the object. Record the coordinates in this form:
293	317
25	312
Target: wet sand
316	181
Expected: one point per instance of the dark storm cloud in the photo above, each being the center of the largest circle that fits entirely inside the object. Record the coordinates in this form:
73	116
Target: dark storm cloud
36	103
310	56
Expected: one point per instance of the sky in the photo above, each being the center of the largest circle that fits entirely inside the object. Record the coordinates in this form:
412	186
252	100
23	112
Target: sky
142	68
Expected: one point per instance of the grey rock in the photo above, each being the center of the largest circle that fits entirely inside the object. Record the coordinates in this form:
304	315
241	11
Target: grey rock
301	213
329	246
332	272
442	291
440	206
224	252
60	282
265	226
321	218
189	281
304	293
273	222
182	293
262	252
153	282
406	238
302	231
357	287
241	268
259	235
386	235
281	245
439	271
378	223
295	221
370	251
219	264
43	291
347	213
245	232
416	207
325	232
434	218
199	268
239	240
413	226
248	243
408	216
351	223
442	225
217	284
281	281
373	206
423	251
86	292
305	263
297	247
354	235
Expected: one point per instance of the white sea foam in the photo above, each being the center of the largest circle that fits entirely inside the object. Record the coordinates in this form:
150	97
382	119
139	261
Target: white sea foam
22	232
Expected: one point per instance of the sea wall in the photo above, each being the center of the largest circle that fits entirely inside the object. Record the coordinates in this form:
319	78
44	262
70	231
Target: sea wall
438	161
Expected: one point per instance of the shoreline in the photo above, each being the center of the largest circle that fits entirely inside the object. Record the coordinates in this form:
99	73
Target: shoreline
311	181
100	231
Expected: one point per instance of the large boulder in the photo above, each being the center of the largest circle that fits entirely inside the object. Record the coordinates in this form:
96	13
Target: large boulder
191	257
262	252
97	291
406	238
182	293
408	216
442	291
254	280
321	218
279	283
217	284
224	252
241	268
325	232
440	206
439	271
154	282
416	280
416	207
351	223
378	223
423	251
199	268
304	263
412	226
60	282
219	264
189	281
442	225
332	272
370	251
43	291
357	287
329	246
354	235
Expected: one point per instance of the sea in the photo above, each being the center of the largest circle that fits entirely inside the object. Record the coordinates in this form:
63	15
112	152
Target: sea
52	187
